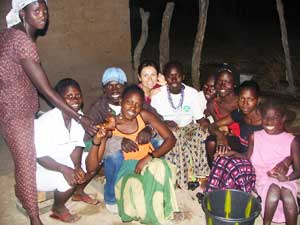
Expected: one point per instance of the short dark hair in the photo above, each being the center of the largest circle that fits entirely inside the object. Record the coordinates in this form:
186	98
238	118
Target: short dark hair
250	85
63	84
148	62
173	65
133	88
271	103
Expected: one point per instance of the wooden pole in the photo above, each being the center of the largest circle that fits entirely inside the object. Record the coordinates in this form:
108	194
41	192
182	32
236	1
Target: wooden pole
285	45
198	44
164	41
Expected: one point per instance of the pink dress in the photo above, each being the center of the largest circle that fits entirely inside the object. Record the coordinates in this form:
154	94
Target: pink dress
268	151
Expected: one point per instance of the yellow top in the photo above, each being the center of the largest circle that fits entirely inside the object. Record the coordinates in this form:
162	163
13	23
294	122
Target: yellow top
143	149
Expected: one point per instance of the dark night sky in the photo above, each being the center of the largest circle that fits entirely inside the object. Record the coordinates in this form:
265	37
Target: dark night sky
230	22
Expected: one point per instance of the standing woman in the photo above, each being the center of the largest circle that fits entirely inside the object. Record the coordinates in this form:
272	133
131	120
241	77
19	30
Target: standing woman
21	75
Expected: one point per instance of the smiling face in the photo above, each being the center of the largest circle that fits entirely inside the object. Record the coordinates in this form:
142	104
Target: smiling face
131	105
35	14
113	91
73	98
148	77
273	121
209	89
174	80
225	84
247	101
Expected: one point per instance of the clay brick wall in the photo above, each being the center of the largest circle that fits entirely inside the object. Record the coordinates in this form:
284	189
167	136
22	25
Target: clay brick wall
84	37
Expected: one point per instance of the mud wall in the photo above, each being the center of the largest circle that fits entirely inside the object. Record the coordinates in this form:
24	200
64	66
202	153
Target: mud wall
82	40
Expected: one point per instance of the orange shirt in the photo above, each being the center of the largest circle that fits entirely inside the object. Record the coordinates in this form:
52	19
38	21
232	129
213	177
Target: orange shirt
143	149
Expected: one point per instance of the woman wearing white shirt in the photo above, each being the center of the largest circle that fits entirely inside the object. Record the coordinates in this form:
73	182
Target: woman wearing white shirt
184	114
59	144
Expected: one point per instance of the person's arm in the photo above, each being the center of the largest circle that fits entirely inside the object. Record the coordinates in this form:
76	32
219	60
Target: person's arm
210	109
76	157
222	143
169	139
39	78
96	151
295	153
50	164
283	166
163	131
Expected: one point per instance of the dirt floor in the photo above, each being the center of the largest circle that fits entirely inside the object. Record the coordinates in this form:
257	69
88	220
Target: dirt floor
192	211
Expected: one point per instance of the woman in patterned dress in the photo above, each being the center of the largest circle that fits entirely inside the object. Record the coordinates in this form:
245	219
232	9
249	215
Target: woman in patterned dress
183	113
21	74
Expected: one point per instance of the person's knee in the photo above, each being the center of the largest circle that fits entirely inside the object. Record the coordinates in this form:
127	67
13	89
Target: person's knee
287	196
273	193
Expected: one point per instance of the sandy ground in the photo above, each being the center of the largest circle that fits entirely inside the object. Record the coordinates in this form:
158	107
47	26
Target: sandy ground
9	214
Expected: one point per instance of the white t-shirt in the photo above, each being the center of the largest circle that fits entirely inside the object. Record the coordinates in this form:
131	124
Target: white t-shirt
53	139
190	111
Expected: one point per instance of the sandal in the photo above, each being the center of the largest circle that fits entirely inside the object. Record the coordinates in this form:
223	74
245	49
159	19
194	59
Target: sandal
66	217
85	198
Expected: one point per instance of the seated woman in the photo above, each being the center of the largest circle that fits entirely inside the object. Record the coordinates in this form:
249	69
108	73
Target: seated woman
59	144
145	183
184	114
148	74
207	93
266	148
221	106
229	170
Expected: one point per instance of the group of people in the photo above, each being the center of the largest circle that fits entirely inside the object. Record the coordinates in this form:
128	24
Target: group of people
150	137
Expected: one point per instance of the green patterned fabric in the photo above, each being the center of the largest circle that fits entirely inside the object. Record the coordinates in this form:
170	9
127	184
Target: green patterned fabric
148	197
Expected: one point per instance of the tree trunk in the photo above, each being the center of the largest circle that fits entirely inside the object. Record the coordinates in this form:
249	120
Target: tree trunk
196	59
164	41
285	45
141	43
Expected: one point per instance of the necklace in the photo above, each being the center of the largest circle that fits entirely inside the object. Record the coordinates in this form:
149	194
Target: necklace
171	100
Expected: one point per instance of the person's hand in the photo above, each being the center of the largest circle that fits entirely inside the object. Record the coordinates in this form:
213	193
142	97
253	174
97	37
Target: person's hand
161	80
172	125
110	123
102	132
204	123
69	175
223	150
144	136
280	177
79	175
141	164
128	145
221	139
88	125
224	129
281	168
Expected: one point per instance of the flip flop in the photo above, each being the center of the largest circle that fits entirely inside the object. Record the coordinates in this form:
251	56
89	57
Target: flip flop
85	198
66	217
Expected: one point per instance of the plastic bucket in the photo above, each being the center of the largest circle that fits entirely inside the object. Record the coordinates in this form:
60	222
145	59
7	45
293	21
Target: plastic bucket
224	207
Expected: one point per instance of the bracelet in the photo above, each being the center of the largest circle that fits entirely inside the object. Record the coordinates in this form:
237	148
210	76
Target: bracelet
93	143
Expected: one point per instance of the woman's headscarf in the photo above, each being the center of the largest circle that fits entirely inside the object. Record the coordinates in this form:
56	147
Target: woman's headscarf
12	18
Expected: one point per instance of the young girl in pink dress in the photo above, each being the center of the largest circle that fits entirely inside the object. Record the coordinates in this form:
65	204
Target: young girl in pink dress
266	148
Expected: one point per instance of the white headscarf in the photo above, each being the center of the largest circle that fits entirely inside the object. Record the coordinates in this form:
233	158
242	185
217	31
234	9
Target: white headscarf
12	18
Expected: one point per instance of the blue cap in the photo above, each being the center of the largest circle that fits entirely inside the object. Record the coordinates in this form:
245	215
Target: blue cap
114	74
